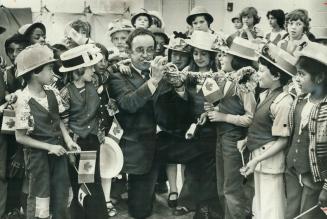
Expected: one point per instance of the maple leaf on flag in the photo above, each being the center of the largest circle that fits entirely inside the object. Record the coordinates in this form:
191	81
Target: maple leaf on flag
10	123
208	86
87	166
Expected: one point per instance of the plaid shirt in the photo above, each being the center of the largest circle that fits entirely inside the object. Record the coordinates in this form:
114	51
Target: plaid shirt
318	139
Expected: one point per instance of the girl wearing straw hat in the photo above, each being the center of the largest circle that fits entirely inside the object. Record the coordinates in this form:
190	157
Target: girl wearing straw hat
200	20
306	159
82	106
203	188
268	134
40	129
233	116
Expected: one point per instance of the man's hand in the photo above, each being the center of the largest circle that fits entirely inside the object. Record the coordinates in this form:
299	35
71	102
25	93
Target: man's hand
57	150
158	67
125	70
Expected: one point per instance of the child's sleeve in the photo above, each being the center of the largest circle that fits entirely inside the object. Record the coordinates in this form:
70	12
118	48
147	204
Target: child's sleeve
24	119
280	110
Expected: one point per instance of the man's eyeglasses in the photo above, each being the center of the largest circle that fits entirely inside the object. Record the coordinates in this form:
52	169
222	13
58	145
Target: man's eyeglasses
141	50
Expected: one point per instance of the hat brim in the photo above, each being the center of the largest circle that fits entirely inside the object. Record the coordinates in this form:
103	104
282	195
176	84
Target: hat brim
191	43
173	49
35	25
97	59
139	14
2	30
276	65
189	19
252	58
34	67
111	159
120	30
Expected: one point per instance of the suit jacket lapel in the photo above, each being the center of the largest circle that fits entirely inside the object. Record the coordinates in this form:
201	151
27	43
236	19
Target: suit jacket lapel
136	79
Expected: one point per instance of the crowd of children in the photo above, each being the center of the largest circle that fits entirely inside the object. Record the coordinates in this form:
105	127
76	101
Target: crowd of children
244	113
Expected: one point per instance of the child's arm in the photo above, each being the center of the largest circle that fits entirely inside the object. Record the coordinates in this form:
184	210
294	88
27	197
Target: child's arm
71	145
279	145
26	140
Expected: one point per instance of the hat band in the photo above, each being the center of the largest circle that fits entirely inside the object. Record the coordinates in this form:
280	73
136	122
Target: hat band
242	50
75	61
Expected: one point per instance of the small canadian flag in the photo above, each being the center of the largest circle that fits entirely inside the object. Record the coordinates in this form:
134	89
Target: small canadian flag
324	209
82	193
86	167
211	91
116	131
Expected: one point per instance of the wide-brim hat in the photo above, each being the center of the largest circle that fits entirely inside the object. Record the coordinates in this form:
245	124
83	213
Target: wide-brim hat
111	159
2	29
178	44
279	58
158	16
80	57
119	25
202	40
319	32
140	12
314	51
33	57
23	30
198	11
243	48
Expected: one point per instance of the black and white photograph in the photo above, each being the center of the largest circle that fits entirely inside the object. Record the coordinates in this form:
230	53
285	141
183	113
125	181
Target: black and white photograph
163	109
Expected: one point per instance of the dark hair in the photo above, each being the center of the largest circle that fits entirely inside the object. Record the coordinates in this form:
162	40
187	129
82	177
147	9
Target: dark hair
299	14
163	35
279	15
212	63
17	39
139	32
206	17
103	50
78	24
239	62
250	11
314	68
275	71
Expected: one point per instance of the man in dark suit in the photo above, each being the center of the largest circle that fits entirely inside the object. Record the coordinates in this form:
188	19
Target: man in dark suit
135	96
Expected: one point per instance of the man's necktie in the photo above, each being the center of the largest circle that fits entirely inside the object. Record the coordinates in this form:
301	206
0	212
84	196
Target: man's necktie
145	74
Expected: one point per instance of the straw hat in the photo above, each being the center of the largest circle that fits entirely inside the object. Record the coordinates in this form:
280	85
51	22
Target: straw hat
111	159
79	57
243	48
158	16
196	11
2	29
33	57
279	58
178	44
319	32
202	40
23	30
140	12
119	25
314	51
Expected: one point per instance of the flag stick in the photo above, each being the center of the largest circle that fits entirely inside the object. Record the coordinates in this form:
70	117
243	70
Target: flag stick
79	152
83	183
307	211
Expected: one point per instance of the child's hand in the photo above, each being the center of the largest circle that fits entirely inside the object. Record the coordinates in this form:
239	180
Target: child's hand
215	116
202	119
249	167
57	150
73	146
323	198
241	144
11	98
208	106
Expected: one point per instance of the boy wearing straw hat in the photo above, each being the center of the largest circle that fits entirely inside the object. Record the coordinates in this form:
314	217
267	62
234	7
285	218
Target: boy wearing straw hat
268	134
306	159
46	140
82	105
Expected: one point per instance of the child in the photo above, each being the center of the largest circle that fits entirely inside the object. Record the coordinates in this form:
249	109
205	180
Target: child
250	18
118	32
297	25
306	159
33	33
82	105
268	134
199	19
40	129
276	21
141	19
233	116
237	23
